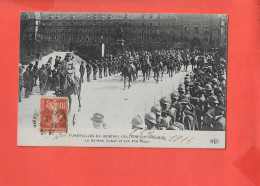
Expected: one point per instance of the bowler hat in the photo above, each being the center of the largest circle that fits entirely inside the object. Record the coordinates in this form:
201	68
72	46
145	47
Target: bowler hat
98	118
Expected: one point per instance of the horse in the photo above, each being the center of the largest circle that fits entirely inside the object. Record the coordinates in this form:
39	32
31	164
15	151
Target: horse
137	67
128	72
156	70
68	88
146	68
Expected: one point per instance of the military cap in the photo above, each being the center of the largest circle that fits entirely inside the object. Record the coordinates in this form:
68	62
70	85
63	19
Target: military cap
213	99
98	118
151	117
156	109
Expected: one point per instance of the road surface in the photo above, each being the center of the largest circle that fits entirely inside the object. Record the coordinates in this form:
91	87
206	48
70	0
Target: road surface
105	96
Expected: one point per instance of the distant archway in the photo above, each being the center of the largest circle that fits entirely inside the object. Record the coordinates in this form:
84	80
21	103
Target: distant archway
71	47
196	43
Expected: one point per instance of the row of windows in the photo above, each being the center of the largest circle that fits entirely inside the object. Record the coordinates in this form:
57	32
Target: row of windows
197	29
143	31
108	24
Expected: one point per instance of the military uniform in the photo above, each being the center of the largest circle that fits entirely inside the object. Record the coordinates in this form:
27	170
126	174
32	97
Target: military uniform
88	69
82	72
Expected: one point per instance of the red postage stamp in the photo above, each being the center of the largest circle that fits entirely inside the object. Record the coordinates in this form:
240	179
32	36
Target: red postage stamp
54	112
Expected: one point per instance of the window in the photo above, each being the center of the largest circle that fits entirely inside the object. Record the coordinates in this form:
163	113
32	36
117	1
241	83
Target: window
151	24
159	24
63	24
56	37
71	38
158	39
102	24
24	37
109	23
63	38
225	32
196	29
87	39
63	31
150	31
206	29
158	31
80	31
30	37
168	31
71	31
142	31
134	39
87	31
108	39
142	39
143	24
150	39
94	38
80	37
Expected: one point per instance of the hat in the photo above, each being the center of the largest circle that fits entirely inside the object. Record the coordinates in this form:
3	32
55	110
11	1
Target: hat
214	80
208	87
174	95
156	109
151	117
213	99
138	122
98	118
164	101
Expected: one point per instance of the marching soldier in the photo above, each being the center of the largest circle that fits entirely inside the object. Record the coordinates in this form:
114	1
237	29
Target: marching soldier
88	69
21	83
95	69
82	71
27	82
35	72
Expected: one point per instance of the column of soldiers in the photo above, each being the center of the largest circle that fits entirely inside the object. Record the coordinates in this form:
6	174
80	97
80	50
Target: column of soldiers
197	104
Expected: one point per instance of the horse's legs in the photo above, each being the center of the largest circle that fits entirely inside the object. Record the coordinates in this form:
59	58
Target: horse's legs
69	103
124	81
79	99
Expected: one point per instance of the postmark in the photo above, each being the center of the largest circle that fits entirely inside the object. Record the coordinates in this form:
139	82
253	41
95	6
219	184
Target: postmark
53	114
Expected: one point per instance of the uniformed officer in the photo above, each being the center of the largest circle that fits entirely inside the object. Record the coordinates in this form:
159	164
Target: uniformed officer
21	83
88	69
209	117
27	84
35	72
150	121
82	71
95	69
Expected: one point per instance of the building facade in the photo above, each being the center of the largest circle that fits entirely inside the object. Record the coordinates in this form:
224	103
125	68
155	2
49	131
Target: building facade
45	32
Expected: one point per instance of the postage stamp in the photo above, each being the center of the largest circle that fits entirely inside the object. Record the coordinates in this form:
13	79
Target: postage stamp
54	112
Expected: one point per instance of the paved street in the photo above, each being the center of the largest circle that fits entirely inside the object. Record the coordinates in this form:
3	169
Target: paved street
106	96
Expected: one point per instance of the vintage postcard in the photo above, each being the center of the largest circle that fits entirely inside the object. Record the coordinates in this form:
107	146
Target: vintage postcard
122	80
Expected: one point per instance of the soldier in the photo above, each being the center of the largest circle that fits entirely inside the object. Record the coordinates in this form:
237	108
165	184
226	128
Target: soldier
95	69
21	83
31	81
98	121
209	117
150	121
137	123
88	69
220	121
35	72
27	83
43	78
105	67
100	68
173	122
82	71
164	104
157	110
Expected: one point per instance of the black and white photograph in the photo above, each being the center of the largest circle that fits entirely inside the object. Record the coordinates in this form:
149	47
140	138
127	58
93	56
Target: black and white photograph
122	80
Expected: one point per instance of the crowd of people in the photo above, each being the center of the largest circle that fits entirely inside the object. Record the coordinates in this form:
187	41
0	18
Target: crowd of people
198	103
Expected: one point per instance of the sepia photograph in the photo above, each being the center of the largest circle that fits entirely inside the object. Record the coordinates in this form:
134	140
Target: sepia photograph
122	79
